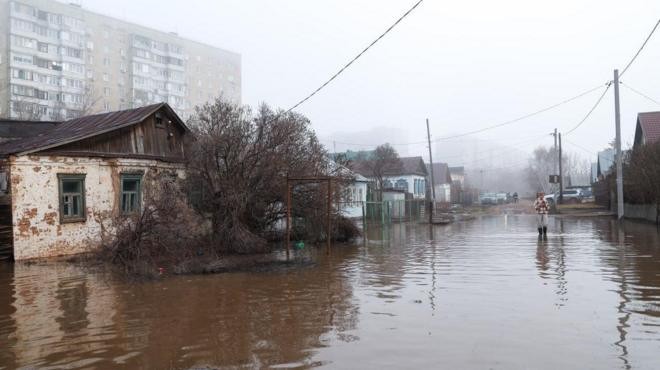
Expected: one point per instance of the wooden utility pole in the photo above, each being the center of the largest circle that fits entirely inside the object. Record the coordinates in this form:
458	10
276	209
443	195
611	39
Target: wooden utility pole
561	175
556	161
432	205
428	137
619	155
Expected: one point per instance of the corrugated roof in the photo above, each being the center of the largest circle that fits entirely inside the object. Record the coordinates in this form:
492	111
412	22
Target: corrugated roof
83	128
649	122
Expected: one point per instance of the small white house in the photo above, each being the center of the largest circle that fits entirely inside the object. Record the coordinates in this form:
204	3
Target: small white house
352	207
442	182
410	176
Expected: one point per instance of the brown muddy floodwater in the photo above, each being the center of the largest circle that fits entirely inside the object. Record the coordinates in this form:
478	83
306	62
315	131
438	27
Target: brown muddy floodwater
484	294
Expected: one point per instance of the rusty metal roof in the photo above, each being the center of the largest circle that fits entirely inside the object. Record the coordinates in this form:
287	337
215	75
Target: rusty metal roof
82	128
20	129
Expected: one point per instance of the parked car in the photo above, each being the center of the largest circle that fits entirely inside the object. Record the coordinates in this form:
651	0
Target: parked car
488	198
571	196
502	198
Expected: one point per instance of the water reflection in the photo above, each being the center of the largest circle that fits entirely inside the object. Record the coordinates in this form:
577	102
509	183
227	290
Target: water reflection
65	316
480	294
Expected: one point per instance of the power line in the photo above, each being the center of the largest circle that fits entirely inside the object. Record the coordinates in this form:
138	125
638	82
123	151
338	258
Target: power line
353	60
600	98
529	115
580	147
499	153
640	49
514	165
521	117
639	93
420	142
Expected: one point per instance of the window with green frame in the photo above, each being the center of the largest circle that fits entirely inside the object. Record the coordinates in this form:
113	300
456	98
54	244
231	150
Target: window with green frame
72	197
131	193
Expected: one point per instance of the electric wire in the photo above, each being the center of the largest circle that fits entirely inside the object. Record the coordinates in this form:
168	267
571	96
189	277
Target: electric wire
352	60
639	93
509	122
593	108
590	152
640	49
499	153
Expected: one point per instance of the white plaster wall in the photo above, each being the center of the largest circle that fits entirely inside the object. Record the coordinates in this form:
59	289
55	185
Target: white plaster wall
411	183
38	231
353	209
443	193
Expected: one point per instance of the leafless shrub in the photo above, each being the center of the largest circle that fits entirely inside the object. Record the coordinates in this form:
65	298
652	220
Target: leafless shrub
642	175
165	233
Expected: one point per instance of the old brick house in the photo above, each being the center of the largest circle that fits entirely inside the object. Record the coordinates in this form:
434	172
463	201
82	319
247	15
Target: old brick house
67	180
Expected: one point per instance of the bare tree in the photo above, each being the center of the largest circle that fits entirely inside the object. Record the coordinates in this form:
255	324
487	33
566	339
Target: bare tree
385	160
240	163
87	106
25	109
542	164
90	98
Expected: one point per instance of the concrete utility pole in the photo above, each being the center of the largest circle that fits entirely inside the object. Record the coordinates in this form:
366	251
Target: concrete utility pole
619	155
561	175
428	137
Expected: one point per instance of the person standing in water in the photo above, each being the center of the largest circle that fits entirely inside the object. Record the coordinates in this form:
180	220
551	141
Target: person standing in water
541	208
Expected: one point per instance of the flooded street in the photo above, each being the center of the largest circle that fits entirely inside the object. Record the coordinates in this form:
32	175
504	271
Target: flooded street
475	295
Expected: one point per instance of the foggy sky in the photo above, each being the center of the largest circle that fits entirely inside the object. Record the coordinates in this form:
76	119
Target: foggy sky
462	64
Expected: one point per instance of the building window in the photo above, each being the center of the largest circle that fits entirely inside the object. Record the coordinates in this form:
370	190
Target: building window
159	120
106	78
131	193
3	182
72	197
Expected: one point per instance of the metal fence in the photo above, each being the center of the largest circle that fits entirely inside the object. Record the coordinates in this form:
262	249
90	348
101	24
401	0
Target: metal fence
389	211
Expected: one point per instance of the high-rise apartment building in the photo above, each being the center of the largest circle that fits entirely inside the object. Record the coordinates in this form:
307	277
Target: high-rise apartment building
58	61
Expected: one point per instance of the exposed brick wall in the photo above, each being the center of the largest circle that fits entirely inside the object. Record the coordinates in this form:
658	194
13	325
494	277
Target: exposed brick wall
37	230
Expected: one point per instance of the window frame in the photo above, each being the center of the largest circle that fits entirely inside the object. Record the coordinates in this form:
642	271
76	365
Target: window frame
61	177
159	120
138	193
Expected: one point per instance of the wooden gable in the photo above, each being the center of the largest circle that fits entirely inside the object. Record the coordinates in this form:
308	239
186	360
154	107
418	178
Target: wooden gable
158	136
